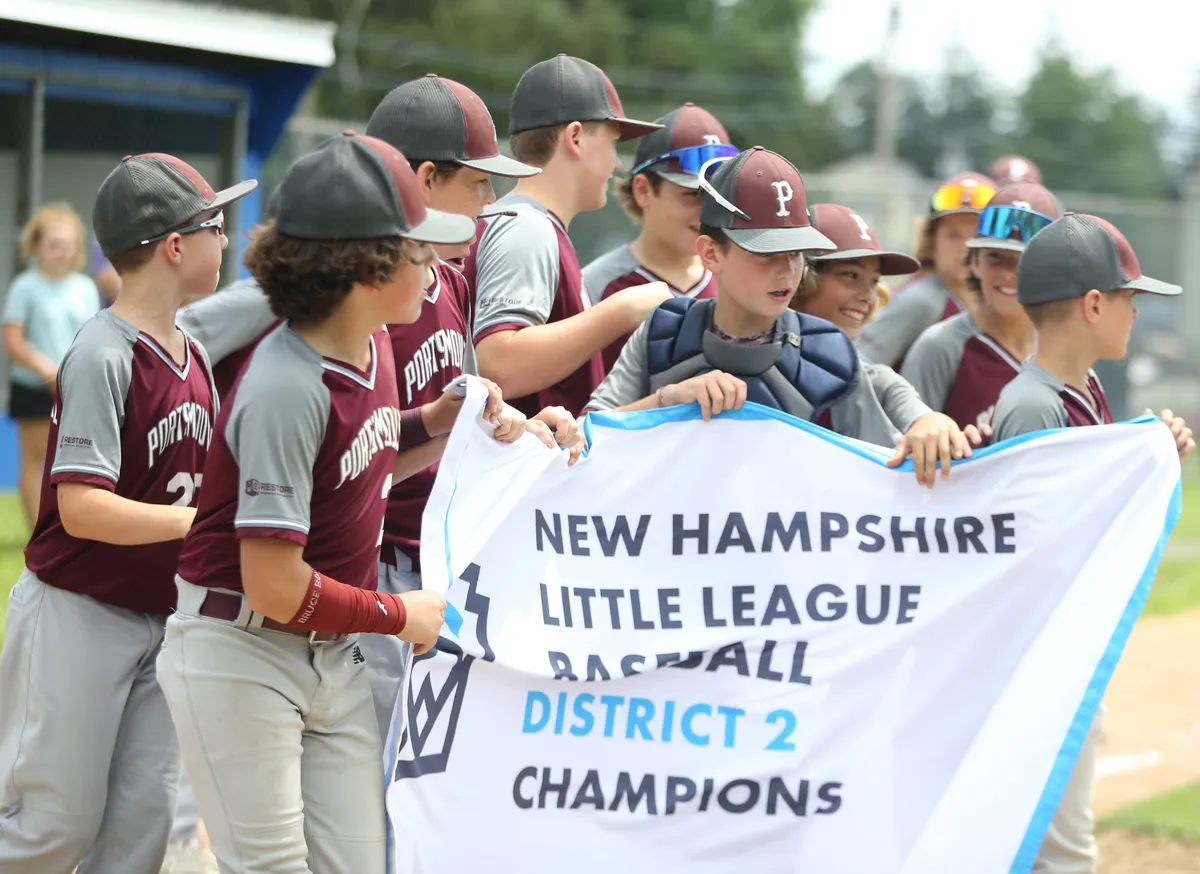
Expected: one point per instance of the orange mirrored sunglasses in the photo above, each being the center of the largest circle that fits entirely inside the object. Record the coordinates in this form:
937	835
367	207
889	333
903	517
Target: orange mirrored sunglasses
967	194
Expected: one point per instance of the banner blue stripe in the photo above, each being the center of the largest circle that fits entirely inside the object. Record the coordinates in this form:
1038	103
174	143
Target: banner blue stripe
1064	764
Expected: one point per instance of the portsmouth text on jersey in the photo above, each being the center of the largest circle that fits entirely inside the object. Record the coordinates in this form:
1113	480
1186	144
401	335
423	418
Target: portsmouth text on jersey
186	420
380	431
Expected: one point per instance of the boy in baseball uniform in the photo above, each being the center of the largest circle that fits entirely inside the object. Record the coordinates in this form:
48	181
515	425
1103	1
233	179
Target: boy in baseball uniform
940	290
261	666
960	365
746	344
1077	280
449	138
536	334
88	758
662	194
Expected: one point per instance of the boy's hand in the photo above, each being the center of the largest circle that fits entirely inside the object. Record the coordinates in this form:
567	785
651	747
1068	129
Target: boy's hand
715	391
510	424
566	431
1184	441
639	300
426	612
932	438
439	416
977	435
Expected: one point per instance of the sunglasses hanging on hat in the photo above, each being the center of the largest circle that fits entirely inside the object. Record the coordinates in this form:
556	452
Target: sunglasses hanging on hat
691	159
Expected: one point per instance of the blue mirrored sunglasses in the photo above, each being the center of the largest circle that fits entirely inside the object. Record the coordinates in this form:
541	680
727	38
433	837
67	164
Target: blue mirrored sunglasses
1001	222
691	158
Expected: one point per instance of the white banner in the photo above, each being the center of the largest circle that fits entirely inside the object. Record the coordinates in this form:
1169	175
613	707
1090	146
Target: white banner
747	643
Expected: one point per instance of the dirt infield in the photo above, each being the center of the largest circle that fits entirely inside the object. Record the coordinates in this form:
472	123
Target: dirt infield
1151	740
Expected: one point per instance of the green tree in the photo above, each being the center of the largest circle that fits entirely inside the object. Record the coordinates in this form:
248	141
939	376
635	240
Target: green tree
738	58
1086	134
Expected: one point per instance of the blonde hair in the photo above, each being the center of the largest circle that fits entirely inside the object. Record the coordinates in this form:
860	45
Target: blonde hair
926	233
51	215
808	289
538	145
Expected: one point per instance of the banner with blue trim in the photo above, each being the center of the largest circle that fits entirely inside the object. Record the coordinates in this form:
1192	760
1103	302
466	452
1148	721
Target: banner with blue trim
747	643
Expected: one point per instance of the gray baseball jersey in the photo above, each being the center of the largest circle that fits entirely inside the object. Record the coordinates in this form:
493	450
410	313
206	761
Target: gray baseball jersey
861	415
227	320
1037	400
524	272
959	370
919	305
619	269
304	453
130	420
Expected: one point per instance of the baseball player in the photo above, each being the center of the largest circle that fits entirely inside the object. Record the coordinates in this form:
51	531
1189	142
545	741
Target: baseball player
844	286
448	135
1011	169
940	291
960	365
535	334
662	194
746	344
261	666
1077	280
87	749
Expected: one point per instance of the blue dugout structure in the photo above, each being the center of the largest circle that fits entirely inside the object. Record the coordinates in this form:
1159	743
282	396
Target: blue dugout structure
83	83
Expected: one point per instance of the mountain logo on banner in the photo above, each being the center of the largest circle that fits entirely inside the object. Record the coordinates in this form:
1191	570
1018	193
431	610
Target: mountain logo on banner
430	715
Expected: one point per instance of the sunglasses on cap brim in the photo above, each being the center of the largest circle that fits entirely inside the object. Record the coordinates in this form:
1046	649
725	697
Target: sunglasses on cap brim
706	170
1001	222
691	159
217	221
961	195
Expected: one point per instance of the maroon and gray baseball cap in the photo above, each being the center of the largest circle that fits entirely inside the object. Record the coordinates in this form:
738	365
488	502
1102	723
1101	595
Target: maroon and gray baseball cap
149	195
758	199
1076	254
1012	229
566	89
687	127
355	187
435	119
1015	168
854	239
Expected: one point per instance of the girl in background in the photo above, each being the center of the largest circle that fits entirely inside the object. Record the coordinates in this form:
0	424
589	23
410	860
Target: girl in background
46	306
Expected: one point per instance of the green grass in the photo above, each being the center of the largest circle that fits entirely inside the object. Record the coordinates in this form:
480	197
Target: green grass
1189	523
1173	814
13	534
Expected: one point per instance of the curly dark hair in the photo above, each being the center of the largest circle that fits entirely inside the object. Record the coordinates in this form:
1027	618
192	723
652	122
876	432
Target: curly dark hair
305	280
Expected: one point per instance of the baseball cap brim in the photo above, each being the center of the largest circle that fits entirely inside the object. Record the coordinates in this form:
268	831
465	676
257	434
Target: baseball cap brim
683	180
962	210
632	129
769	241
234	192
443	228
1154	286
996	243
501	165
891	263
